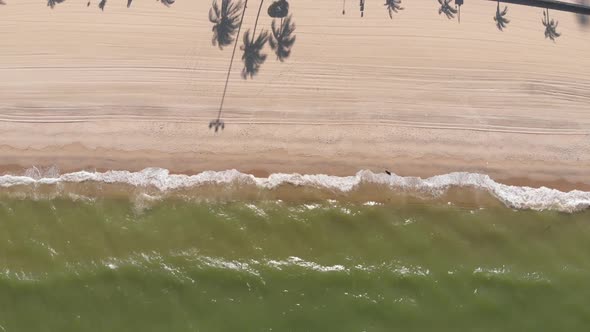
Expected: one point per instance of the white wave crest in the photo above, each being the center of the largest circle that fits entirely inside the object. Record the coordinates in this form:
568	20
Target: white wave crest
513	196
296	261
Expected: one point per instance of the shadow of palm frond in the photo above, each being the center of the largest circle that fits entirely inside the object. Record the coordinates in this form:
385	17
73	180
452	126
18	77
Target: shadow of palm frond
447	9
278	9
253	58
500	19
393	6
282	39
217	124
52	3
167	3
2	2
550	26
101	4
583	20
226	21
129	3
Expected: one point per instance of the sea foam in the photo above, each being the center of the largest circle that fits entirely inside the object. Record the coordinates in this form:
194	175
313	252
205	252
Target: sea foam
513	196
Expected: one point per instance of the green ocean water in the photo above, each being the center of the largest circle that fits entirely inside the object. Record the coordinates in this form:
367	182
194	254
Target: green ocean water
180	265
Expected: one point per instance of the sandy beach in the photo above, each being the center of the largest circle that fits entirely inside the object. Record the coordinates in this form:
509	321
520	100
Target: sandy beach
418	94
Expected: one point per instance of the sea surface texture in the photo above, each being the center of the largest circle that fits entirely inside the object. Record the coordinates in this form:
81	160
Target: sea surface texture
142	262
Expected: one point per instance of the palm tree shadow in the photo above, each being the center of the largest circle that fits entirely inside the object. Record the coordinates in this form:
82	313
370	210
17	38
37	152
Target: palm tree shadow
282	39
447	9
52	3
550	26
500	17
217	15
103	3
217	124
278	9
362	7
226	21
167	3
2	2
393	6
583	20
253	58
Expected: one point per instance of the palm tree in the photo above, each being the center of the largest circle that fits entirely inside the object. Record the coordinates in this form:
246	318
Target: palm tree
445	8
550	26
278	9
500	19
226	21
252	47
52	3
282	38
393	6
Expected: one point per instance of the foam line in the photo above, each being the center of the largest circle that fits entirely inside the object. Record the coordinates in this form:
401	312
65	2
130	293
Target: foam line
513	196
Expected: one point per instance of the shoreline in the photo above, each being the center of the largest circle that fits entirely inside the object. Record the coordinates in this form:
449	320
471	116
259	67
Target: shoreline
558	162
16	162
463	189
560	184
254	168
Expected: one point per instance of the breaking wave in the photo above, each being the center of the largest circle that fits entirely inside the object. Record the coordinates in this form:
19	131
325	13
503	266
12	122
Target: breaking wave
513	196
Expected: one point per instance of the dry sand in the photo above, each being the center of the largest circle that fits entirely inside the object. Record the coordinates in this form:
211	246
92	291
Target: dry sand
418	95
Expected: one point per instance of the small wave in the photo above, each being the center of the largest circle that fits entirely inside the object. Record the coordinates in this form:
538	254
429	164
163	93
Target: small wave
503	271
219	263
182	266
296	261
513	196
312	206
258	211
